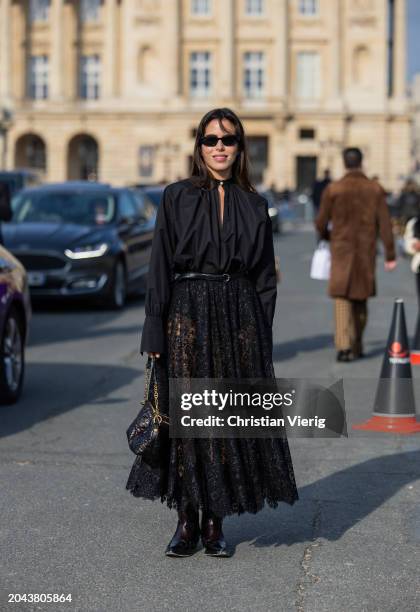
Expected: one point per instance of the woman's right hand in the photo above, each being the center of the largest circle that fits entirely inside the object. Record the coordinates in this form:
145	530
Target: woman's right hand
157	355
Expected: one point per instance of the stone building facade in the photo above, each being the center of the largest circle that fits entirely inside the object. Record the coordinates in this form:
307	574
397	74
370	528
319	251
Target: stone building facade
114	89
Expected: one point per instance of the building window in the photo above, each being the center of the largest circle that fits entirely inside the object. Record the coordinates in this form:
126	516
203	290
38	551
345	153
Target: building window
38	77
200	73
308	7
254	74
254	7
30	152
90	77
90	10
201	7
306	172
39	10
308	75
146	160
307	134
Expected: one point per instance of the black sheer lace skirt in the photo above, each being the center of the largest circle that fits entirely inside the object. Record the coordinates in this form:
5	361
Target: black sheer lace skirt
216	329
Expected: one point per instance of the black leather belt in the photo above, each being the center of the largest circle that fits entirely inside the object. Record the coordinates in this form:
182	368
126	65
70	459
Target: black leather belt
204	275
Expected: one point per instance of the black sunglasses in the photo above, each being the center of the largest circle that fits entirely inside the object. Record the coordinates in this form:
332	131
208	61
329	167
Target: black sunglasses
211	141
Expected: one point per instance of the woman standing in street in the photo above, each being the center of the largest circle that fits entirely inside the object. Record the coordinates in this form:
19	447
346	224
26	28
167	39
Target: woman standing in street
209	306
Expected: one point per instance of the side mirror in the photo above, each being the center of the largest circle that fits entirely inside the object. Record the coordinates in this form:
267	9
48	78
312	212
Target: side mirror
6	212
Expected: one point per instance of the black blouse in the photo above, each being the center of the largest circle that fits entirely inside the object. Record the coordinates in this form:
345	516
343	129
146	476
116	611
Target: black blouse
189	236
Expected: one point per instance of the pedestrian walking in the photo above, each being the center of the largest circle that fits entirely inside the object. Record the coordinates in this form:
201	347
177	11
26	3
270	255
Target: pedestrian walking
412	247
318	189
357	209
408	203
210	303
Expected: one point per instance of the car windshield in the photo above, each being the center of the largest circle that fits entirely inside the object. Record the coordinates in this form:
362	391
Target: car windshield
66	207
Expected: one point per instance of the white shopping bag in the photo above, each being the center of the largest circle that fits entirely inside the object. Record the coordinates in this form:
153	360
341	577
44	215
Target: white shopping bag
321	262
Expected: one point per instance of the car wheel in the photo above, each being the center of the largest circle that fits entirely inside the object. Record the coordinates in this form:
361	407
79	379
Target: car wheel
118	287
12	359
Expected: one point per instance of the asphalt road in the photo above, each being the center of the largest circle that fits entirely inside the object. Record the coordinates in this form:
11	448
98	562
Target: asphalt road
351	543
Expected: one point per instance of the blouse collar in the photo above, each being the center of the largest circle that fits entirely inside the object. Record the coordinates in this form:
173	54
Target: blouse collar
216	182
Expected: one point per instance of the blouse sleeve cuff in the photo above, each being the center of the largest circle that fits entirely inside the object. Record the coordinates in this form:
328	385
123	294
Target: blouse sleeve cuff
153	336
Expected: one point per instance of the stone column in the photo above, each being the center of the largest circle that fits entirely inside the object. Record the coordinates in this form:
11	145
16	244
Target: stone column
336	47
172	49
56	55
5	48
227	51
280	76
70	50
109	63
57	154
19	49
399	54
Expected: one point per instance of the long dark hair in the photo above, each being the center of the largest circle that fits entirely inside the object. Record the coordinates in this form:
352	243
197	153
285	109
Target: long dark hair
200	174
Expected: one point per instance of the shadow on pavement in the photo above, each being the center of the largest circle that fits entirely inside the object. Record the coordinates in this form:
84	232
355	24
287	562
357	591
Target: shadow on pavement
329	507
290	349
54	388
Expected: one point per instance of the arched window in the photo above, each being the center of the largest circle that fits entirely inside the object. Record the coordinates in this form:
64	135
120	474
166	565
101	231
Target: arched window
30	152
83	158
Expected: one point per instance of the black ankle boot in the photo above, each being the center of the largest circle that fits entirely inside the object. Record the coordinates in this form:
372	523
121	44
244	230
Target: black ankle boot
212	536
344	356
187	535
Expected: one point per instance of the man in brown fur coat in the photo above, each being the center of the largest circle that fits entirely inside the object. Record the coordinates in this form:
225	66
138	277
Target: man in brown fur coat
358	212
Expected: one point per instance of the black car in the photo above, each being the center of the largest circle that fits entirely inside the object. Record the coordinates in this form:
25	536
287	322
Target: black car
19	179
81	239
153	193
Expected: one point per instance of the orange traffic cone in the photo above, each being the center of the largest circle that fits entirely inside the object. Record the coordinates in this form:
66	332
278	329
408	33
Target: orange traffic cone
415	349
395	410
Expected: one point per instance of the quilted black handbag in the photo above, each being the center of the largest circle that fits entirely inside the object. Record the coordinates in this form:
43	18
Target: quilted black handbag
144	432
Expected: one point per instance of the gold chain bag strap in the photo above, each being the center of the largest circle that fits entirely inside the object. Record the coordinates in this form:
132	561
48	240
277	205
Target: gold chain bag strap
145	428
158	417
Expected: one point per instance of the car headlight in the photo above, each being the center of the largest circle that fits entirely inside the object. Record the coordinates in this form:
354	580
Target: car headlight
84	252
